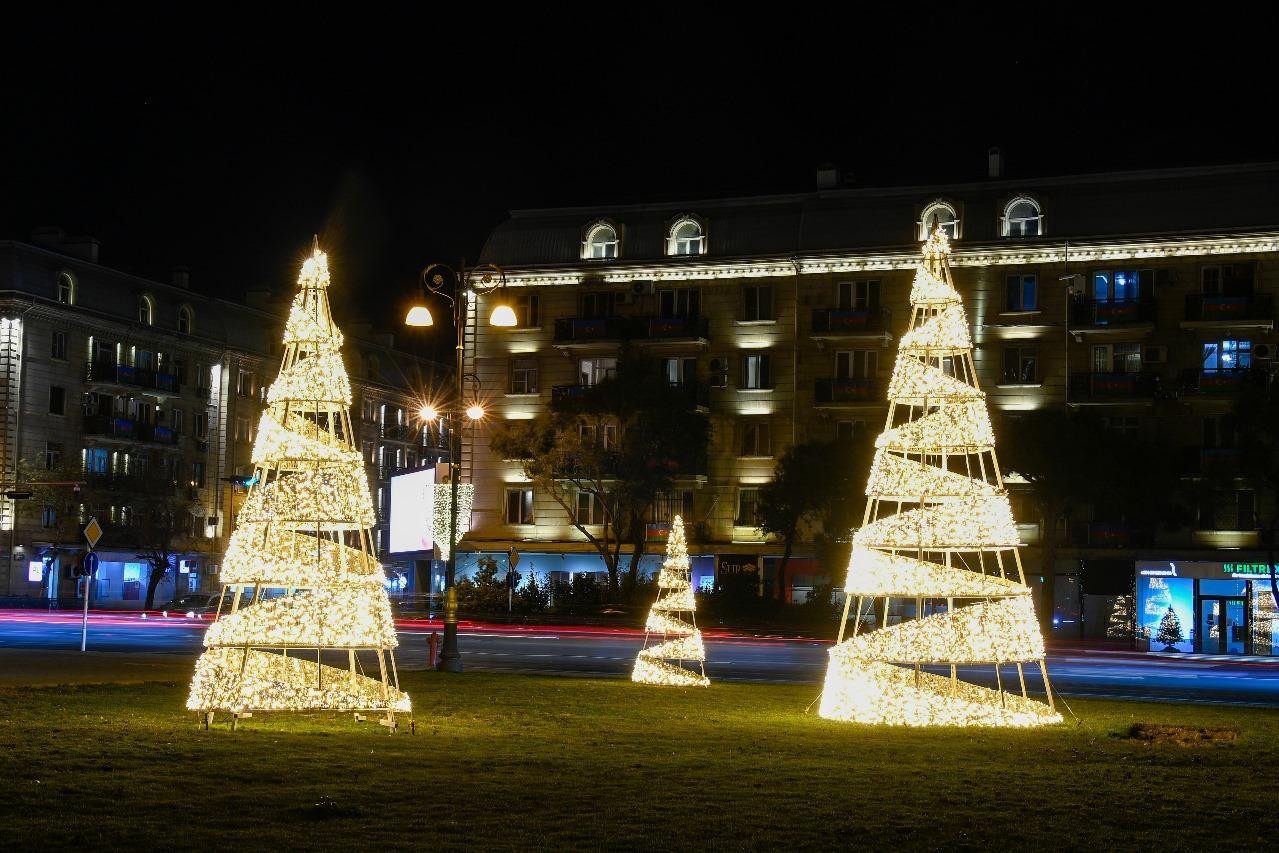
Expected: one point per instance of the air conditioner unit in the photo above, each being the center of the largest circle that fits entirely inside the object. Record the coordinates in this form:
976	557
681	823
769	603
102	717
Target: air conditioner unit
642	288
1155	355
1263	352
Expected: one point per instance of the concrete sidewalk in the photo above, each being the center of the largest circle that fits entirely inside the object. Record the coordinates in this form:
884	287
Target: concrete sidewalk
42	668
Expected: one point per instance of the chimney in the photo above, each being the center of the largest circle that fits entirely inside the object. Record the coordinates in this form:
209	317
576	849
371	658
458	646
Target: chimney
827	176
995	163
182	277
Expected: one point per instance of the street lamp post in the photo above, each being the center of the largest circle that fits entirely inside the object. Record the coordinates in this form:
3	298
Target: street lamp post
464	284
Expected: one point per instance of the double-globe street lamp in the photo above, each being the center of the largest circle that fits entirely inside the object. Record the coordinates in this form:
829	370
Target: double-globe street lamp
460	288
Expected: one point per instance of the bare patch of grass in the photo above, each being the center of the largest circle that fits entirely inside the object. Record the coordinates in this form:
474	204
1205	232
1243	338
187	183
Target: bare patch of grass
1180	735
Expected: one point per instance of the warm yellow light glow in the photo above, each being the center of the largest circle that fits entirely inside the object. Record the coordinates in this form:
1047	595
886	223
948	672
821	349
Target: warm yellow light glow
428	413
443	505
475	412
419	315
303	532
503	316
663	662
938	528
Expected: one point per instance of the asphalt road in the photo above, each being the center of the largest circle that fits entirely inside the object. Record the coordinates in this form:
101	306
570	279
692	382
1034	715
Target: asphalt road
610	652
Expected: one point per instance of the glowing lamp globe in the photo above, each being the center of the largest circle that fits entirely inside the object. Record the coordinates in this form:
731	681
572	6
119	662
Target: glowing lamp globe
427	413
418	315
475	411
504	316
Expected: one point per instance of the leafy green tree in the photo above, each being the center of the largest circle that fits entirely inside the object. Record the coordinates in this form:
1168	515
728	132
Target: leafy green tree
605	453
485	590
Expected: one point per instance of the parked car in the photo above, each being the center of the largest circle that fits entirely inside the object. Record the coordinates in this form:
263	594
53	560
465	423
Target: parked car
192	605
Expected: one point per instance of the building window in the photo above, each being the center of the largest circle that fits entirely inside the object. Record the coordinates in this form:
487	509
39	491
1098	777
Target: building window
527	315
941	215
57	400
52	455
201	378
244	383
757	371
757	302
1116	358
1120	285
197	474
601	242
96	460
686	239
594	306
524	376
49	517
849	430
59	349
200	423
175	421
1021	365
369	411
1220	432
184	320
856	364
679	302
857	295
241	429
747	508
66	289
602	435
372	369
679	370
755	439
667	505
1227	355
1128	425
1022	218
1227	280
589	509
1021	292
519	506
593	371
146	310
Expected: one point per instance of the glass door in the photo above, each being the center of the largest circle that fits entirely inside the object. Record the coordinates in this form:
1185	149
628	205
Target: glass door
1223	626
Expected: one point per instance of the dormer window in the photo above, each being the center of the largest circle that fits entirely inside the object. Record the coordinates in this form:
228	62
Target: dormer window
184	320
601	242
939	214
1023	218
64	291
686	238
146	310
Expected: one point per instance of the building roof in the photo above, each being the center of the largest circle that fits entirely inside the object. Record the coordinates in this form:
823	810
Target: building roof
1226	198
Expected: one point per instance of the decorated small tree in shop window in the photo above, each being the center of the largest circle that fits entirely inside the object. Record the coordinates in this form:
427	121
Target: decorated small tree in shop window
326	640
1169	633
1121	623
671	638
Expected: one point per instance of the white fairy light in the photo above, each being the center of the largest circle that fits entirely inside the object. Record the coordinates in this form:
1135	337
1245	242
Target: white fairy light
922	506
442	514
680	642
303	530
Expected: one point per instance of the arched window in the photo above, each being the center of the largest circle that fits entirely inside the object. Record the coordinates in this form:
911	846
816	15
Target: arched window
146	310
184	320
686	238
601	242
64	291
942	214
1023	218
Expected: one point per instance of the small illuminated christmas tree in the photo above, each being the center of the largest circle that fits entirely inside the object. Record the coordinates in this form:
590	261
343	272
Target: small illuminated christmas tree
673	618
938	544
1120	625
303	532
1169	633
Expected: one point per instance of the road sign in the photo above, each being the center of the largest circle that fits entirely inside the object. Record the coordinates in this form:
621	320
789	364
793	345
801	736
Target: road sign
513	557
90	563
93	532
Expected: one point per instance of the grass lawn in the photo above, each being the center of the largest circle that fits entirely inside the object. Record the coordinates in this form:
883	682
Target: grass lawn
504	761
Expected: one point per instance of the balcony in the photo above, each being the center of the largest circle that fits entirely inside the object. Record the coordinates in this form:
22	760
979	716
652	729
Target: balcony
594	331
1112	388
1254	311
1095	316
591	330
1209	461
399	432
1212	383
1109	534
151	381
685	329
848	392
698	394
849	324
128	429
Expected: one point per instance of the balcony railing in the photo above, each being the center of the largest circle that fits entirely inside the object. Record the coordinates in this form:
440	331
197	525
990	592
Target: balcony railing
399	432
592	329
1109	534
1221	381
1210	460
1115	312
1256	306
657	328
133	377
698	393
835	321
1113	386
587	329
847	391
128	428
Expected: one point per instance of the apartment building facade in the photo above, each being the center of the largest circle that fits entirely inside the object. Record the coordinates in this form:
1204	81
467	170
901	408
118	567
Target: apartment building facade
1120	292
136	402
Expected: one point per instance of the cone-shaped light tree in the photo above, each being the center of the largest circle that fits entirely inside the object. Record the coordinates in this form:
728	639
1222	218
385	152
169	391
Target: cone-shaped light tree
935	575
671	638
322	637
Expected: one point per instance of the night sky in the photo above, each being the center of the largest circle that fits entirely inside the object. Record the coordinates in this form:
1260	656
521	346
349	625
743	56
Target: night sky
399	144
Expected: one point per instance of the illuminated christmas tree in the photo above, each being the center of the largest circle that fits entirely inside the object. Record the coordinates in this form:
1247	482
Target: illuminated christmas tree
1169	634
303	532
672	617
937	555
1120	625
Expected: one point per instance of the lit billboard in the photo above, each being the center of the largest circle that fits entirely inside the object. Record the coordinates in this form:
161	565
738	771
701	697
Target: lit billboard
412	511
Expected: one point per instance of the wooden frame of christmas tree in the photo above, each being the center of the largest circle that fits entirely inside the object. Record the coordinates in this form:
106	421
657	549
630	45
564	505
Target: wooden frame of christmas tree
303	531
673	617
938	528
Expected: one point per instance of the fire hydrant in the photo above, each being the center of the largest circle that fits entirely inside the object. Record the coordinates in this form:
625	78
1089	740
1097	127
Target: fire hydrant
433	642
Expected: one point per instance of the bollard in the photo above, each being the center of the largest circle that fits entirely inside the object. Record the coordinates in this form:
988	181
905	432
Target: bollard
434	644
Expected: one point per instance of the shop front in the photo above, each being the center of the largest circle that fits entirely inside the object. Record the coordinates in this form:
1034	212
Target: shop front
1206	608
